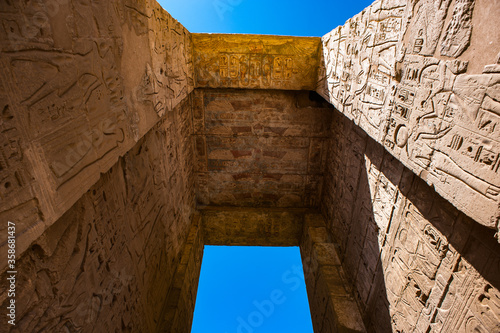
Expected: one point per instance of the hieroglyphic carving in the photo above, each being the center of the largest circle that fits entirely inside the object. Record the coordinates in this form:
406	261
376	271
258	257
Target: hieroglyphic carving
16	198
76	75
32	27
359	61
416	262
256	70
459	30
169	77
468	304
86	109
417	271
426	26
438	119
13	176
109	260
443	122
246	61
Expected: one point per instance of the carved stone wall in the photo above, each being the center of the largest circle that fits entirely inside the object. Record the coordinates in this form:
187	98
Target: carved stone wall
417	263
108	262
422	78
82	82
259	148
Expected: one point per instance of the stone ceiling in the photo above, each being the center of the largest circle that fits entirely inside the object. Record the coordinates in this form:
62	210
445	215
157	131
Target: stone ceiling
259	148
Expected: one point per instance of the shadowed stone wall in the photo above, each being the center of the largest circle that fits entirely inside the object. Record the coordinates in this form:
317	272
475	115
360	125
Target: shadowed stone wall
178	307
333	307
416	262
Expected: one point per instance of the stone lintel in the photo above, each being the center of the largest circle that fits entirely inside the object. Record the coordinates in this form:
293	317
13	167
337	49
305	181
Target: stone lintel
237	226
256	61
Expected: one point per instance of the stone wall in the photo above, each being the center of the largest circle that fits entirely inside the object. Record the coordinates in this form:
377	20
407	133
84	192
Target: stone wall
259	148
422	79
107	264
178	308
333	308
416	262
82	82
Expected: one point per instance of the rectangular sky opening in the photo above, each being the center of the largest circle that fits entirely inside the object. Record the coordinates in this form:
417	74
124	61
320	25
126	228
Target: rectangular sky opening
251	289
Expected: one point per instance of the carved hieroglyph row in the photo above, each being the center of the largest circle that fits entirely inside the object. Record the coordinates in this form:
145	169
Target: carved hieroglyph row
404	76
81	83
255	61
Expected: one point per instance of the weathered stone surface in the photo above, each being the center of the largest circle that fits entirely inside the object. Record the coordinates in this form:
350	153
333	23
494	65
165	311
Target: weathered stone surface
255	61
231	226
107	264
383	69
259	148
417	263
82	82
333	309
178	308
459	30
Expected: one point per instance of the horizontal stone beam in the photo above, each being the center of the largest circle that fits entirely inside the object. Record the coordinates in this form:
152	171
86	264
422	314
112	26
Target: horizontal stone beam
239	226
256	61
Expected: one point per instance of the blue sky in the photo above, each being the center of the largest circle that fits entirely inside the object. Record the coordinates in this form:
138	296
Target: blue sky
272	17
251	290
